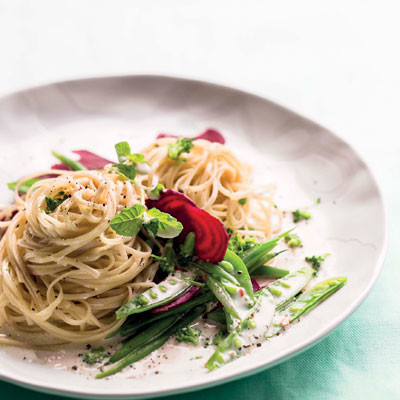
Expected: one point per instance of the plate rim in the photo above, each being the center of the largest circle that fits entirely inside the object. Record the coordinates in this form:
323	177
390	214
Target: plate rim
299	348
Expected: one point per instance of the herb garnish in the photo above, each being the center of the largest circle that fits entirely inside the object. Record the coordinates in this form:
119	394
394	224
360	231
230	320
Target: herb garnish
293	240
316	261
129	221
128	171
53	202
240	245
188	335
242	201
95	356
179	147
299	215
154	193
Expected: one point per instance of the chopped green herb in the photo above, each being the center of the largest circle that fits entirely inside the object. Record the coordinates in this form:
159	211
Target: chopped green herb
299	215
293	240
24	187
318	200
162	224
188	335
240	245
316	261
95	356
128	171
179	147
129	221
243	201
53	202
229	231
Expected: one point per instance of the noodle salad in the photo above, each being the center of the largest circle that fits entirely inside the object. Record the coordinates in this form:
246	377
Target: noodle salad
137	250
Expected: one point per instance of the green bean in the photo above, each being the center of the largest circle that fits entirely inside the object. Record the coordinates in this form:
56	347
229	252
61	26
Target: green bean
217	315
154	344
150	333
267	270
132	327
75	165
304	303
24	186
167	290
253	256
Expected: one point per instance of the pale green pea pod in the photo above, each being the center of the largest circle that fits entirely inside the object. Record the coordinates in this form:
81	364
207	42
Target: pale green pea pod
169	289
304	303
249	332
284	289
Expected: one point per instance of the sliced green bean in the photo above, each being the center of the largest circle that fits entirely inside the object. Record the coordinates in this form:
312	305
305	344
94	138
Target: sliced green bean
154	344
167	290
75	165
304	303
222	295
148	334
216	271
284	289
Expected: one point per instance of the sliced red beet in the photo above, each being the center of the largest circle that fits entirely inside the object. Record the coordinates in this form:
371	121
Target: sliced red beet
211	135
211	238
88	159
180	300
256	285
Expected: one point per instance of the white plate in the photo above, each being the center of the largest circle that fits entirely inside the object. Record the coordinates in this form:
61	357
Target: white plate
305	160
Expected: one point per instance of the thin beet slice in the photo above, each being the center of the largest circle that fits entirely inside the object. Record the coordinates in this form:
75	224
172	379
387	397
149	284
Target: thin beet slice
180	300
211	238
87	159
256	285
212	135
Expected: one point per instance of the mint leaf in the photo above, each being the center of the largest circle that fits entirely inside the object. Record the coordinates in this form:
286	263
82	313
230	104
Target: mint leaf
123	151
24	187
129	221
182	145
137	158
128	171
162	224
